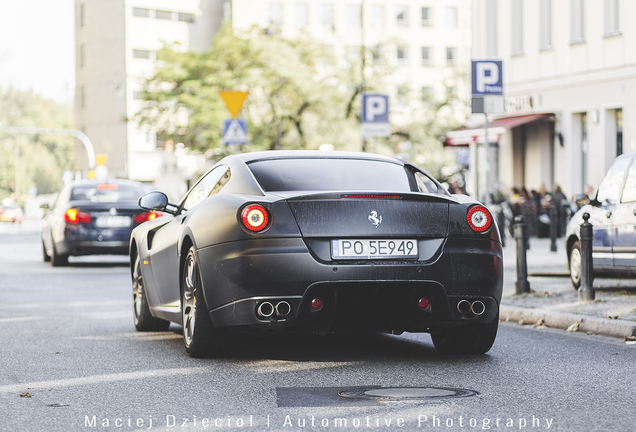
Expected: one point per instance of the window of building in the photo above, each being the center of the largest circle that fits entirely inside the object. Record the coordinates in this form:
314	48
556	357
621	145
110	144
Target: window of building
302	14
82	96
402	15
163	15
82	55
142	54
491	28
276	14
545	30
427	17
619	131
402	56
451	17
426	56
377	16
577	21
186	17
376	52
402	95
427	93
612	17
451	56
141	12
517	27
326	14
353	15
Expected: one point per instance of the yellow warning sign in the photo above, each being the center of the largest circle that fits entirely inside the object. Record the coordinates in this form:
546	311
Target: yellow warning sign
100	159
234	100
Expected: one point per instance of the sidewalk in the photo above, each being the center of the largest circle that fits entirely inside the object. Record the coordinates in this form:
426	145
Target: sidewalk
554	302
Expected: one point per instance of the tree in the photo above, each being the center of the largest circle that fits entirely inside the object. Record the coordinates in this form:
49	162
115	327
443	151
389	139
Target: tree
43	158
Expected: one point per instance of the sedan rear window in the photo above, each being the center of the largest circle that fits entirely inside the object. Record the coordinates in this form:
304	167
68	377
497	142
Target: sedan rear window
330	175
106	193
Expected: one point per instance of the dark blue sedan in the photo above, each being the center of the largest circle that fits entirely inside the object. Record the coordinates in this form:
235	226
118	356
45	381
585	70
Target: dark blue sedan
92	217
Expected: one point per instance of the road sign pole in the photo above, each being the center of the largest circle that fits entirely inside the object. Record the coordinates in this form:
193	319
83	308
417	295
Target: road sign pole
488	165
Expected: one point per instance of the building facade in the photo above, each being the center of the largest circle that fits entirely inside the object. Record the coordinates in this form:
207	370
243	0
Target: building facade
425	44
569	81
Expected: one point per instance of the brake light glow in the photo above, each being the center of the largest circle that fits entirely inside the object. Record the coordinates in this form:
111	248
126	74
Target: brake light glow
74	216
107	186
479	218
373	196
146	216
255	217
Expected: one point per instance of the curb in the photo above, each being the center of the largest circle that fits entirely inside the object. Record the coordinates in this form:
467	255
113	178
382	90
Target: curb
600	326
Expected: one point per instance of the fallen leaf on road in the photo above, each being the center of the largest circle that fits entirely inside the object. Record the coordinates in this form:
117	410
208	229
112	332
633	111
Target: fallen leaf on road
540	323
25	394
612	317
573	328
630	338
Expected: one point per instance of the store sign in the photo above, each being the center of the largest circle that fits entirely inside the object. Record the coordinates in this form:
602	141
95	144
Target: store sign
519	103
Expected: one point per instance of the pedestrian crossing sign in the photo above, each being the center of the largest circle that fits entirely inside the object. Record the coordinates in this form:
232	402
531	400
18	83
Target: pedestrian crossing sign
234	131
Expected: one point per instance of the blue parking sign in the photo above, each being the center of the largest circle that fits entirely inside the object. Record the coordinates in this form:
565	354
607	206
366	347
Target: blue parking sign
375	108
487	77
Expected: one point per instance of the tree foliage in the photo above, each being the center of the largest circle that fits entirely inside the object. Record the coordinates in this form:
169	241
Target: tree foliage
42	158
300	96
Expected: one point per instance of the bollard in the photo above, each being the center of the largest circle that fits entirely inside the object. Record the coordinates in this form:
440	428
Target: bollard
586	290
522	285
501	222
554	220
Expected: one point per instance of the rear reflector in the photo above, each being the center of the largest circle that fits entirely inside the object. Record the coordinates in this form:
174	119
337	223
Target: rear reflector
479	218
255	217
316	304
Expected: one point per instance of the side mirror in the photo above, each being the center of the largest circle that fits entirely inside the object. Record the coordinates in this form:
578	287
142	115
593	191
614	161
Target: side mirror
154	201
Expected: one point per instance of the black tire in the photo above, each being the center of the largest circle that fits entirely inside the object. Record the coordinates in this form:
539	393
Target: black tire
142	318
45	255
574	264
477	339
200	337
58	260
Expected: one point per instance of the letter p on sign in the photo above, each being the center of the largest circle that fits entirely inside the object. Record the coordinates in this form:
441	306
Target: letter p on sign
487	77
375	108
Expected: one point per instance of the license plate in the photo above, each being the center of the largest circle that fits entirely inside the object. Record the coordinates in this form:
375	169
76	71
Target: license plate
113	221
373	249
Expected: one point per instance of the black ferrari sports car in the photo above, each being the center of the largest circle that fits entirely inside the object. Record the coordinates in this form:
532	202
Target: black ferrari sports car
317	242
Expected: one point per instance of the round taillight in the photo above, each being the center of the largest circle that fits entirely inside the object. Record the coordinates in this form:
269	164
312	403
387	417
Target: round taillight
316	304
424	303
255	217
479	218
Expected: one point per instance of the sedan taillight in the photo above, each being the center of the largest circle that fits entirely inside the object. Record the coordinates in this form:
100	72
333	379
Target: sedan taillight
74	216
146	216
479	218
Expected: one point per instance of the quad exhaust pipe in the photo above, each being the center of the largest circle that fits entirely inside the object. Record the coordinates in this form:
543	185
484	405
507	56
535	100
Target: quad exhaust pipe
465	307
267	309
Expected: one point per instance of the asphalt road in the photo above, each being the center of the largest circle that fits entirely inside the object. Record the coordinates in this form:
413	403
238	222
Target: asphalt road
71	360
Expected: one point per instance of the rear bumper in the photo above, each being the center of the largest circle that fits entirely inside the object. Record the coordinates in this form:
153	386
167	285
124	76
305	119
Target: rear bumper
374	295
84	240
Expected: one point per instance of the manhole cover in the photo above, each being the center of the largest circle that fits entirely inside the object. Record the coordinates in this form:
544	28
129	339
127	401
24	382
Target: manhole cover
401	393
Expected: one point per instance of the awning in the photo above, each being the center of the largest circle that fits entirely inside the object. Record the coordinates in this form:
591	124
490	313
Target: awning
496	128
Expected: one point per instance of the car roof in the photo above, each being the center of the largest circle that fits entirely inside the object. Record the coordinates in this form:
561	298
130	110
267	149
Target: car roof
314	154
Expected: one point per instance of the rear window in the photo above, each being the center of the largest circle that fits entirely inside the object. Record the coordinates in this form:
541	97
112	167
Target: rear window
106	193
330	175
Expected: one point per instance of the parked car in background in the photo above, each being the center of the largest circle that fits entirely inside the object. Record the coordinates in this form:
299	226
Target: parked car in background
10	211
317	242
613	217
92	217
